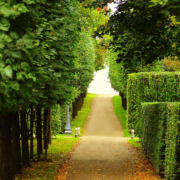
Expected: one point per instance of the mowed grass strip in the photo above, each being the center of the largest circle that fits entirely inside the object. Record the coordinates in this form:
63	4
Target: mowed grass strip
59	150
136	142
80	119
121	114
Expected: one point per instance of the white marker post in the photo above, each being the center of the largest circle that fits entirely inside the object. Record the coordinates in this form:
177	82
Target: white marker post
76	134
132	131
79	131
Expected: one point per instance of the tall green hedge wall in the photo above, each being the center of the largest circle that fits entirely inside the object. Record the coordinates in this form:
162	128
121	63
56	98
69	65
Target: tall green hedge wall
161	137
150	87
154	117
172	152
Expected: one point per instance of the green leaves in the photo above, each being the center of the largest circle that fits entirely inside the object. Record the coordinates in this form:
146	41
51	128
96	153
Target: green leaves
4	24
29	1
14	35
25	66
142	35
19	76
16	54
44	59
7	71
12	11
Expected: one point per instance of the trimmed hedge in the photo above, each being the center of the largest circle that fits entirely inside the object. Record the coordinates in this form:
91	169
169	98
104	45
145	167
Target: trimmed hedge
172	152
149	87
161	136
154	117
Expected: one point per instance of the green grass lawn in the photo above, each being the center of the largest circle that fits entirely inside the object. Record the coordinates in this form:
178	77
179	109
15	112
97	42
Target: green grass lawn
136	142
121	114
80	120
59	150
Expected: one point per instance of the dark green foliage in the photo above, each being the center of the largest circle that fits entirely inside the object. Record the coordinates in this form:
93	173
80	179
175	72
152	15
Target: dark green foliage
161	136
140	33
150	87
37	53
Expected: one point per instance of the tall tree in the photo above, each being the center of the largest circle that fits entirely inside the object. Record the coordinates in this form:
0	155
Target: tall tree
140	33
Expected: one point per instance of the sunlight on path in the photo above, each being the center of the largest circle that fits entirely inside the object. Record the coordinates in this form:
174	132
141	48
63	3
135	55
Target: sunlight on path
101	84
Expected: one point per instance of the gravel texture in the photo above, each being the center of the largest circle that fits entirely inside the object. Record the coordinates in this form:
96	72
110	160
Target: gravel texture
103	152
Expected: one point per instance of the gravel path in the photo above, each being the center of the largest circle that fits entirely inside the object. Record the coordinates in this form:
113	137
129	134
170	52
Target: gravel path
103	152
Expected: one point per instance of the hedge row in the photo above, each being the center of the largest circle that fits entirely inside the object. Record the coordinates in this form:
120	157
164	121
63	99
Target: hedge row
58	118
150	87
154	117
161	138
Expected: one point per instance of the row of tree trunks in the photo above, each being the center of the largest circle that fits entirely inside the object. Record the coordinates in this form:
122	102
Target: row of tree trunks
124	100
11	127
77	104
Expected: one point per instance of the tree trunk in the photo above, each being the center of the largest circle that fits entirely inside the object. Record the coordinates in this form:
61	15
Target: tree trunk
74	109
82	99
16	150
49	128
85	93
24	138
121	95
79	102
6	163
32	117
46	129
125	103
122	100
39	133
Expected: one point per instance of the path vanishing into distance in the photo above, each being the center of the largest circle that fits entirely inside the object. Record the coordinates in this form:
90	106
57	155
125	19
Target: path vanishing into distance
103	152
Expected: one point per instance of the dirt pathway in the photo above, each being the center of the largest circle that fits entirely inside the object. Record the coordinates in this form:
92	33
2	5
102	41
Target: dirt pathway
103	152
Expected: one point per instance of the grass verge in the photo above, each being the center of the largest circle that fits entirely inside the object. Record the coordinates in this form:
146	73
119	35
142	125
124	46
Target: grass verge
80	119
135	142
59	149
121	114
